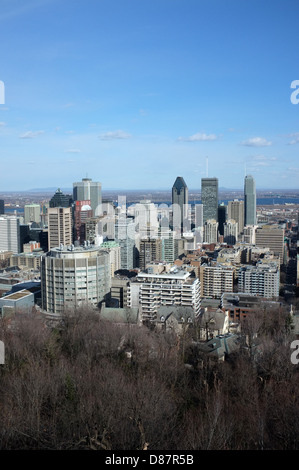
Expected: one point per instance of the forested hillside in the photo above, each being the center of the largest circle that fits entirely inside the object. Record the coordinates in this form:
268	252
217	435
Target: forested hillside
90	384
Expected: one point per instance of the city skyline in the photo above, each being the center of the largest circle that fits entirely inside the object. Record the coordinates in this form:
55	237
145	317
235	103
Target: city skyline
134	93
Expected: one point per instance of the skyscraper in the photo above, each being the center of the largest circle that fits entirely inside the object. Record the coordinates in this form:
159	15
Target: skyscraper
31	213
236	212
88	190
249	201
10	238
179	201
59	226
125	237
82	212
209	198
60	199
222	217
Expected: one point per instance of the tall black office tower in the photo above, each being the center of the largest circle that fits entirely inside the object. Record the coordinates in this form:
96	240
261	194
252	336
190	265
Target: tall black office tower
209	198
249	201
60	199
1	207
179	202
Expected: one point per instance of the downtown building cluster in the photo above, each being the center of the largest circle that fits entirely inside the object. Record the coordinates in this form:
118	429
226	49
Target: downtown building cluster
142	256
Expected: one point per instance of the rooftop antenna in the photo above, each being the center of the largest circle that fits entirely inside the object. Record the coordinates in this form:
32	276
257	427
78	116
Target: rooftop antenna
245	169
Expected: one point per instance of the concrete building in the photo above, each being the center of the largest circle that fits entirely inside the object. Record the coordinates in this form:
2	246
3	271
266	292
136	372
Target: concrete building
249	201
261	280
59	226
215	280
235	211
271	236
211	231
231	232
21	301
209	198
32	213
10	236
125	237
74	276
150	249
88	190
146	218
120	287
176	287
198	222
27	260
113	249
169	246
249	232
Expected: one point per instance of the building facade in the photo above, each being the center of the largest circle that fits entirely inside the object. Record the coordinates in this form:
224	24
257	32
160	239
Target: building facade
209	198
235	211
249	201
74	276
32	213
10	236
179	203
211	231
88	190
261	280
59	226
176	287
215	280
272	237
231	232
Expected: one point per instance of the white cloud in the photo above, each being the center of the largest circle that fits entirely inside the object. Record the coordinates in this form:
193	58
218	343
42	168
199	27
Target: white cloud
30	134
263	158
256	142
296	138
199	137
2	124
114	135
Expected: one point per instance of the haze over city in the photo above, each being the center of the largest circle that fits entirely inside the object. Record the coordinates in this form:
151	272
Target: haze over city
134	93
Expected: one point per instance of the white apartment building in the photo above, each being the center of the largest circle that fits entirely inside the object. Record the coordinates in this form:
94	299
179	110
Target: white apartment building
113	249
10	234
211	231
175	287
261	280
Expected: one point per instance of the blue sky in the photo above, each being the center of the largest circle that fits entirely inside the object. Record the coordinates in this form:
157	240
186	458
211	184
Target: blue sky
133	93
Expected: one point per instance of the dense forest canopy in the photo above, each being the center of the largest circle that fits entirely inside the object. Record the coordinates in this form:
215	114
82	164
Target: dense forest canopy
92	384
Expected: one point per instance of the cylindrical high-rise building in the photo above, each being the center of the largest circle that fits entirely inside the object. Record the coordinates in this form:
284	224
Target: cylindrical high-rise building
71	276
249	201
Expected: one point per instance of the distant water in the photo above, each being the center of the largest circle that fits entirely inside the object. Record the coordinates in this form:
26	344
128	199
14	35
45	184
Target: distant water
266	201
